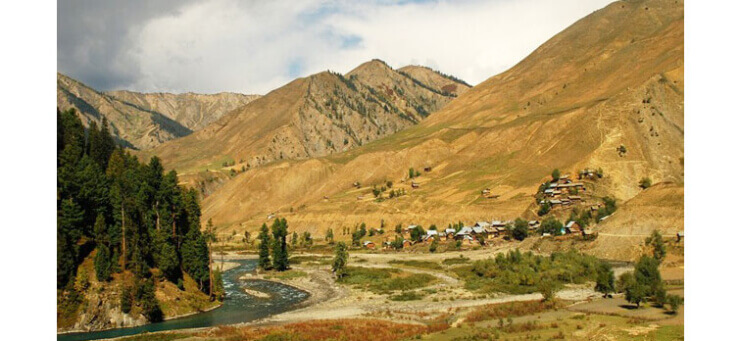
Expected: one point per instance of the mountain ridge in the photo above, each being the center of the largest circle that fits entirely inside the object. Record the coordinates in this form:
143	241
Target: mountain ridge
144	120
312	116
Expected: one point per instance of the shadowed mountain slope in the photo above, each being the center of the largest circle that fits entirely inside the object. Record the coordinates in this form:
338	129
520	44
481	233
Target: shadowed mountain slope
144	120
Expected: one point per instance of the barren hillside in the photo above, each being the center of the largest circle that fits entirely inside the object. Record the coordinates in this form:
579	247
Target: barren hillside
309	117
194	111
613	78
140	120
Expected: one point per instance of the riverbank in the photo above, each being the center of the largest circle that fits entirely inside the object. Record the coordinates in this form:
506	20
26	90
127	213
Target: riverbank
330	300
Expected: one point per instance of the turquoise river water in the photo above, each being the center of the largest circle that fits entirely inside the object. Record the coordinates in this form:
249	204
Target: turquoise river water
237	307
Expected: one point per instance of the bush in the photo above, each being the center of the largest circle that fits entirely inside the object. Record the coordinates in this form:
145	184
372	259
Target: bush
521	229
675	302
545	208
645	183
433	246
551	226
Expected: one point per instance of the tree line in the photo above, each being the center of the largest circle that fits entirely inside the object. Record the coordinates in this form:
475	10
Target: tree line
132	215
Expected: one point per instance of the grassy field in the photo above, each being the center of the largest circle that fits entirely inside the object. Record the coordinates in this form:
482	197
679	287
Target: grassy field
385	281
418	264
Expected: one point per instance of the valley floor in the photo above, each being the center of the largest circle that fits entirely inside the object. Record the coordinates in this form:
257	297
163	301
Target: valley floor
444	311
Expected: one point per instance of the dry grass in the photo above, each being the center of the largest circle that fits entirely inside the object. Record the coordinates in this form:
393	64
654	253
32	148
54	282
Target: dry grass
512	309
348	330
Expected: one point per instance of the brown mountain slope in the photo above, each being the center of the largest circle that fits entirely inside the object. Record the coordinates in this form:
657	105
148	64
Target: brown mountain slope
613	78
194	111
435	79
145	120
314	116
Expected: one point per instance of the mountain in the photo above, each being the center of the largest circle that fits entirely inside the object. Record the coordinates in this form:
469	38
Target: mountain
613	79
318	115
144	120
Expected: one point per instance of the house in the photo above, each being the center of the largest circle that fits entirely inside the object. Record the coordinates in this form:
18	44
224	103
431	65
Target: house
431	234
356	184
407	230
465	231
534	224
499	231
428	168
407	243
498	223
482	224
368	245
480	232
449	234
359	197
414	184
572	227
555	202
485	191
387	245
574	198
544	235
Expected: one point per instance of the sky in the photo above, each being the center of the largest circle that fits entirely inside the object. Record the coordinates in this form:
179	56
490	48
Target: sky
255	46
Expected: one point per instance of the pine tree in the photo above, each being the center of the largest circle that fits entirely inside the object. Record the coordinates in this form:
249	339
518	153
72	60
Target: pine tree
69	218
210	237
264	248
341	257
279	245
102	256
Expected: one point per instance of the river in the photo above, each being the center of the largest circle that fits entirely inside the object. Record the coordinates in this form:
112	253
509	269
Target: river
238	306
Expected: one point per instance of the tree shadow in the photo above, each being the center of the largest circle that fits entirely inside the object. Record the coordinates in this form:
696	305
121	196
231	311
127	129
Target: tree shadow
628	306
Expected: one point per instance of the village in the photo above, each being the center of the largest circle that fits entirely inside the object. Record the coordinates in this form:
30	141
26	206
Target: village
554	197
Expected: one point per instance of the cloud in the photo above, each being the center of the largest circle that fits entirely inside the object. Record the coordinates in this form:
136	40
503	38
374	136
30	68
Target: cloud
256	46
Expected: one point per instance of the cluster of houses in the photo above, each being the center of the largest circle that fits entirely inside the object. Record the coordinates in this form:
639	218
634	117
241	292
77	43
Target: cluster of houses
563	192
479	233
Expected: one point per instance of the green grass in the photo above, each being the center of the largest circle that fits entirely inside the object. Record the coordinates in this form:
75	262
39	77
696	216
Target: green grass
456	261
310	259
407	296
418	264
287	275
384	281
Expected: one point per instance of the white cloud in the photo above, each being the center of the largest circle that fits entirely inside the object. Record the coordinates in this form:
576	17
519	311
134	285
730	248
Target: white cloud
256	46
